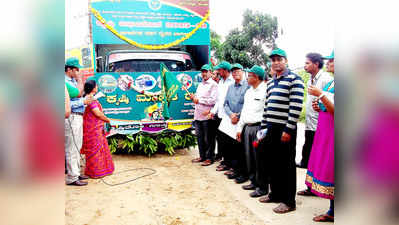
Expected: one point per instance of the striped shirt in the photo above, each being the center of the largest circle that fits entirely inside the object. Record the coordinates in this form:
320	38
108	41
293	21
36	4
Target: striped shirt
284	100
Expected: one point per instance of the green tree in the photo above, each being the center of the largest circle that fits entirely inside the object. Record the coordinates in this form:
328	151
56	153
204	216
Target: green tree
216	43
261	28
235	48
305	77
248	46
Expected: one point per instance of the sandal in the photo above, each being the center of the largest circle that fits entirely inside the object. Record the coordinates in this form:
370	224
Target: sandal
222	168
207	163
228	172
197	160
283	208
323	218
266	199
306	192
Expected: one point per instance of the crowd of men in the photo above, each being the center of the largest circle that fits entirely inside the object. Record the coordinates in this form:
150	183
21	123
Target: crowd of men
254	121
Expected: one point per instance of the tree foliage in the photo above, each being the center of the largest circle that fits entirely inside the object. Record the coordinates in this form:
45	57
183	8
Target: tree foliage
261	28
247	46
216	43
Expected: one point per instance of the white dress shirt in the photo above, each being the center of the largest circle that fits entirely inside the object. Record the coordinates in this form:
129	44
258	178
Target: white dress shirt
320	80
254	104
223	85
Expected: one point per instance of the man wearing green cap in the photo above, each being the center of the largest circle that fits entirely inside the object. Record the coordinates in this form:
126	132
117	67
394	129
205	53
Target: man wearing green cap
74	124
281	113
217	112
235	155
204	99
249	124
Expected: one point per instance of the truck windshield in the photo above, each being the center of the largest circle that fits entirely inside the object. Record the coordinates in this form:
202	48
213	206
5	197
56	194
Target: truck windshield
148	65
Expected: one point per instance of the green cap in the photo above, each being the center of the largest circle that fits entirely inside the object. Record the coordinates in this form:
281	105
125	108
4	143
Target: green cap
223	65
206	67
74	62
330	56
279	52
236	66
259	71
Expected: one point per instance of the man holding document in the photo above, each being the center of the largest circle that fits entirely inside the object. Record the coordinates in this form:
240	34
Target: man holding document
232	106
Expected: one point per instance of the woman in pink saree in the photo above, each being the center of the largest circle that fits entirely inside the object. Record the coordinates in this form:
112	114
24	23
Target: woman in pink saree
320	174
95	146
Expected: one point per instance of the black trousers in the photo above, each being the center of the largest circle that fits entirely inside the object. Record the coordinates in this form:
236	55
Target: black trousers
231	151
263	176
202	130
240	159
279	158
307	147
216	137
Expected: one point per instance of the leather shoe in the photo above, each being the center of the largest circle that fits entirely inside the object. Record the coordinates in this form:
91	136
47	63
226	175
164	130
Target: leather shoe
249	187
241	179
83	177
232	176
257	193
78	183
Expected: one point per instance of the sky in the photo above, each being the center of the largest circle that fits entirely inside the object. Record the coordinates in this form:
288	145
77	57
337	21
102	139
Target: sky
308	26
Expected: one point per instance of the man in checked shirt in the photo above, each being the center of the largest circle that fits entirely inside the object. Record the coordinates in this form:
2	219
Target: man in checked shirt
204	99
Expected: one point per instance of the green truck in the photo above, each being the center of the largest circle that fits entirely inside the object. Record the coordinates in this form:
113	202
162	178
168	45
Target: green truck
130	39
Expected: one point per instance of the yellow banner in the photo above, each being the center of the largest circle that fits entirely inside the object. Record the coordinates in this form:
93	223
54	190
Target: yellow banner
179	125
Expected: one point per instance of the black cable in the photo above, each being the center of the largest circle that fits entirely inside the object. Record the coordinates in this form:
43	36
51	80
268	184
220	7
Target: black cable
125	182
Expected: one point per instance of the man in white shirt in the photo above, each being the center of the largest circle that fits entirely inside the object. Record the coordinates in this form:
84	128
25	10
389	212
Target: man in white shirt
249	125
217	112
319	78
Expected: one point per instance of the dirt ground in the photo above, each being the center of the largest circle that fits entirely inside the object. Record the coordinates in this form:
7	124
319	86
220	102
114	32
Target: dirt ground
180	192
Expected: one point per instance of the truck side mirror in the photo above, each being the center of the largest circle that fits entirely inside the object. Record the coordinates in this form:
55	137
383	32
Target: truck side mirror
189	65
100	64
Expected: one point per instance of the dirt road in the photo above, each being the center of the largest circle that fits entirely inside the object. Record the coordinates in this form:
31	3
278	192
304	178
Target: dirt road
180	192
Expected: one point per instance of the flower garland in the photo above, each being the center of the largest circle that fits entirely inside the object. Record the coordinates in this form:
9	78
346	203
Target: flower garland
164	46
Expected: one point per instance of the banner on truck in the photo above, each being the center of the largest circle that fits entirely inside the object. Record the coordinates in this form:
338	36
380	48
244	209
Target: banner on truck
151	21
134	101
